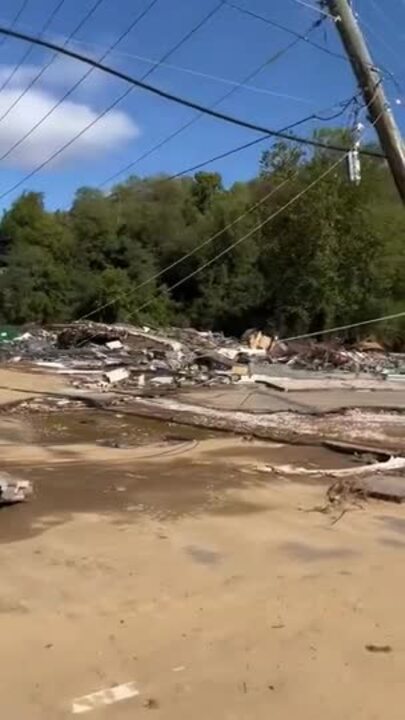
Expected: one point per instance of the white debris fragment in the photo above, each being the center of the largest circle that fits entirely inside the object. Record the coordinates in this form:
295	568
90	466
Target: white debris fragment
162	380
108	696
228	352
13	489
114	345
394	463
116	375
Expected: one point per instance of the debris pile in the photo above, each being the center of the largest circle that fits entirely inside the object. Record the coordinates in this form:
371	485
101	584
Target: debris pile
100	355
326	356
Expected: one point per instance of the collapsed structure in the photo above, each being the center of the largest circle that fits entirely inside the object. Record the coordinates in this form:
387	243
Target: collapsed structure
100	354
259	386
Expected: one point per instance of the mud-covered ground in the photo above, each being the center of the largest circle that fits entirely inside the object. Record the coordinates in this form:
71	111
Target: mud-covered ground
156	570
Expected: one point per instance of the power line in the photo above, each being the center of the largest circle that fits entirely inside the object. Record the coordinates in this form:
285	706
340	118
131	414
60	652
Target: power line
203	244
74	87
286	29
39	75
237	242
29	50
250	144
186	37
221	156
251	232
160	93
199	73
255	229
114	103
273	58
384	16
174	98
16	18
345	327
192	252
314	8
289	30
388	47
216	235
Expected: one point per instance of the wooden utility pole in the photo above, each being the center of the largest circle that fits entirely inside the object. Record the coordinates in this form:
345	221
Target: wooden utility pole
370	83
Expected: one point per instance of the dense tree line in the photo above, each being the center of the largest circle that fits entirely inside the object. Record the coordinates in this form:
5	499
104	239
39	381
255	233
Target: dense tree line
334	256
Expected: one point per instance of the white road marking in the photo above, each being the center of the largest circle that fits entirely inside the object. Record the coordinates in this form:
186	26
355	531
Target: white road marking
104	697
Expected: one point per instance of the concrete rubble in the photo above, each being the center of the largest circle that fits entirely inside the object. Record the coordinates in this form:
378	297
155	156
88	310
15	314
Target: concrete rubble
258	385
96	354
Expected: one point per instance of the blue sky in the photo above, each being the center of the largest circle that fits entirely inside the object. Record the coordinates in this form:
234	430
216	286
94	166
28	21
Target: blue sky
230	45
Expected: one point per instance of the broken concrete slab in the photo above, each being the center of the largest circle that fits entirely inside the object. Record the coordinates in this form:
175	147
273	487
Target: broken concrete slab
114	345
117	375
258	399
162	380
352	448
390	488
289	384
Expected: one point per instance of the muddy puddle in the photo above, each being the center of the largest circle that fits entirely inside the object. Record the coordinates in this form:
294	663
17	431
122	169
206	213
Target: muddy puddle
124	494
108	428
182	470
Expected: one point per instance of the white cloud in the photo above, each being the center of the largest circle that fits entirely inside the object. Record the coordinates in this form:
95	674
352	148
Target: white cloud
62	73
64	123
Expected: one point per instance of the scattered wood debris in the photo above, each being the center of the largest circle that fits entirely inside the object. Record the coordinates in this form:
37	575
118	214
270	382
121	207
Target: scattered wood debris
379	648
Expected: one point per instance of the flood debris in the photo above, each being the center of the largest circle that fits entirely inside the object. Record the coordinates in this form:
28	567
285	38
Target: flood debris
117	375
139	367
393	463
345	491
257	340
194	357
13	490
378	648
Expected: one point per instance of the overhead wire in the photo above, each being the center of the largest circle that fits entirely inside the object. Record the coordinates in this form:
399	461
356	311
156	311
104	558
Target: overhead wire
318	9
289	30
340	328
199	73
386	19
380	68
286	29
41	72
260	225
216	235
112	105
245	146
255	229
370	29
209	240
251	232
15	19
168	96
186	256
291	201
28	52
79	82
247	78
